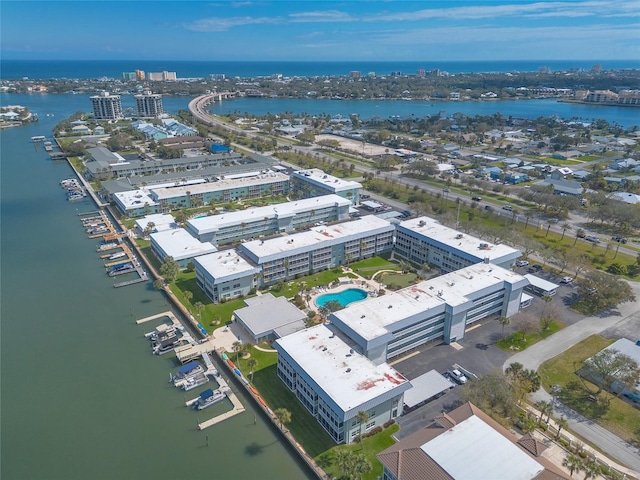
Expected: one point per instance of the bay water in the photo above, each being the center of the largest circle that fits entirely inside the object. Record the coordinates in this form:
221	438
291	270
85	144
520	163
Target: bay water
81	395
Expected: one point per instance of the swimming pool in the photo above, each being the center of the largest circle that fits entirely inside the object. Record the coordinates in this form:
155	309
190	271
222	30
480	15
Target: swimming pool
344	298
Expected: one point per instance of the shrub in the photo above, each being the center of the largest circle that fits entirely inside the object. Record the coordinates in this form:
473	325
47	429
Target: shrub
223	300
617	269
388	423
373	431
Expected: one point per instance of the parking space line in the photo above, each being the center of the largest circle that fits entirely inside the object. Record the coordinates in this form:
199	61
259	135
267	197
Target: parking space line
404	358
477	325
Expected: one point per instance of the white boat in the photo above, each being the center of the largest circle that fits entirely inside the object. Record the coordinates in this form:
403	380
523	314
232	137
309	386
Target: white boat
162	330
208	398
193	381
117	255
187	370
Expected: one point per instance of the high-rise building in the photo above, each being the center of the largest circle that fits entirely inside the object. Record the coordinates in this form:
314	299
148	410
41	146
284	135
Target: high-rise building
421	72
140	74
128	75
106	106
162	76
149	105
354	74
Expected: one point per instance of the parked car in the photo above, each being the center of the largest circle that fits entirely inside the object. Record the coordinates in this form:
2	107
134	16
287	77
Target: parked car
457	376
581	234
619	239
488	207
566	280
592	239
508	207
522	263
476	199
536	268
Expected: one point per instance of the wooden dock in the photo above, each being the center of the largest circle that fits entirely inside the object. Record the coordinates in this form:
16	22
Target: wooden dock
237	406
169	314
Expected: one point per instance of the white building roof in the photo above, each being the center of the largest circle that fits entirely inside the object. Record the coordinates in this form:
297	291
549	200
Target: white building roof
626	346
135	199
271	314
179	244
541	283
469	244
348	378
317	176
160	220
426	386
214	223
494	456
265	250
225	265
180	191
372	318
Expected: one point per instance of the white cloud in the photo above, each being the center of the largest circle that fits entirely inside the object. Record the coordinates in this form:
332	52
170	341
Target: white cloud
221	24
322	16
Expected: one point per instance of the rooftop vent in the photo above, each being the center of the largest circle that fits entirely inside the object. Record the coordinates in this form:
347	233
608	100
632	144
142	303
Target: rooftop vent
422	223
459	236
484	246
390	306
362	316
348	370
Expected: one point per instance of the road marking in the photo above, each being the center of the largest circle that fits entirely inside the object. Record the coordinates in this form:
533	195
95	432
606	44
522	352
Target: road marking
477	325
456	345
405	358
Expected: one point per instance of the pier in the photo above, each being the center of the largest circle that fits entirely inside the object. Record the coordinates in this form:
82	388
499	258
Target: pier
237	406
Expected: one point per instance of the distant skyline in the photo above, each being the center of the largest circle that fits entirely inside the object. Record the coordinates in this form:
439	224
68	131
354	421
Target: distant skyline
355	30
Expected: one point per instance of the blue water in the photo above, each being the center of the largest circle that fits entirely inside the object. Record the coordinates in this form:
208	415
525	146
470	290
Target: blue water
45	69
344	298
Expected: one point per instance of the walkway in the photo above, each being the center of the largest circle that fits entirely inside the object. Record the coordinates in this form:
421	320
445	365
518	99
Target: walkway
534	356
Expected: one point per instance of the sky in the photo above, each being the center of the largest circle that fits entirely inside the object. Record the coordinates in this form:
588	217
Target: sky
276	30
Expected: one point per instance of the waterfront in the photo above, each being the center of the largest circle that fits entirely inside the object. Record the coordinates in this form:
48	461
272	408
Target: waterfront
80	391
82	396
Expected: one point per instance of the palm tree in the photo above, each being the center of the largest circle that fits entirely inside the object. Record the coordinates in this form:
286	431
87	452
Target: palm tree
565	226
159	284
188	295
285	264
573	463
562	423
579	233
361	466
237	347
591	470
504	321
545	408
363	418
199	306
252	363
283	416
344	459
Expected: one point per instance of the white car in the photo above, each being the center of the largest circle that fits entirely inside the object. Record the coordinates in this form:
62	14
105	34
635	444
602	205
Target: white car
566	280
522	263
458	376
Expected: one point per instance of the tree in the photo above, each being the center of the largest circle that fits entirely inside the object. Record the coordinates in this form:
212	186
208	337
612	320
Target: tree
505	322
148	230
170	269
545	408
562	423
199	306
283	416
527	324
602	290
333	305
573	463
251	364
344	459
188	295
159	284
591	470
493	393
550	312
363	418
237	347
360	466
611	369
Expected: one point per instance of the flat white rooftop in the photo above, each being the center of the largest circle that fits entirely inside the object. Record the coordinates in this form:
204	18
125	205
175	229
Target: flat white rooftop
541	282
180	191
372	317
494	456
320	178
348	378
160	221
225	264
179	244
327	235
135	199
214	223
455	240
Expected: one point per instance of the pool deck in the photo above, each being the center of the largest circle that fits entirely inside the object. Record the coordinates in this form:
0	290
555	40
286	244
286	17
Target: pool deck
345	283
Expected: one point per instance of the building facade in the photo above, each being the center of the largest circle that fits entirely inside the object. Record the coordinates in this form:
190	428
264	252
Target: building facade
441	308
106	106
314	183
334	383
320	248
225	275
149	105
281	218
424	240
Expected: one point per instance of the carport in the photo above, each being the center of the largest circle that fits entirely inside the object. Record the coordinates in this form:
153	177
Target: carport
426	387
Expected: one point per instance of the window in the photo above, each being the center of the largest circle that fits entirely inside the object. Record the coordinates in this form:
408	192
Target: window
370	425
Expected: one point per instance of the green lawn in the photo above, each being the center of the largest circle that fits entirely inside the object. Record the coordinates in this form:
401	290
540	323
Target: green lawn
370	447
369	266
515	343
293	287
619	417
398	280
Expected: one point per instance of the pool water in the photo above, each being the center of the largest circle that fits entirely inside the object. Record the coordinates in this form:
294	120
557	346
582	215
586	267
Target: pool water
344	298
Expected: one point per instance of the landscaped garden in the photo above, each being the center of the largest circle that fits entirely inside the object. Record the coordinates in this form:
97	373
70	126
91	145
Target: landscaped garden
520	340
559	376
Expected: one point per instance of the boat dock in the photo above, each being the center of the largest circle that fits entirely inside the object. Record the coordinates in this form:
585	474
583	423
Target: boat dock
170	315
237	406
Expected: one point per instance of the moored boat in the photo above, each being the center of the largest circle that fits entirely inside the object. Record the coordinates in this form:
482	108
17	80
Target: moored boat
208	398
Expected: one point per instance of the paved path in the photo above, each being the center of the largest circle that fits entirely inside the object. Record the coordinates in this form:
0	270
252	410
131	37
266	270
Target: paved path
532	358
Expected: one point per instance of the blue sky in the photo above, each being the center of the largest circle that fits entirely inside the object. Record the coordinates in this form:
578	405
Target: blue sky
325	30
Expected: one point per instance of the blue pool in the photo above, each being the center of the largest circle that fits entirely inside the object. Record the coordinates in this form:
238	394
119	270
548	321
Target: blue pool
344	298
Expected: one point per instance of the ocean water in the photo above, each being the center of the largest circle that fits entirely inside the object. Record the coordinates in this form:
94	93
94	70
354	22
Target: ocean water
82	396
46	69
